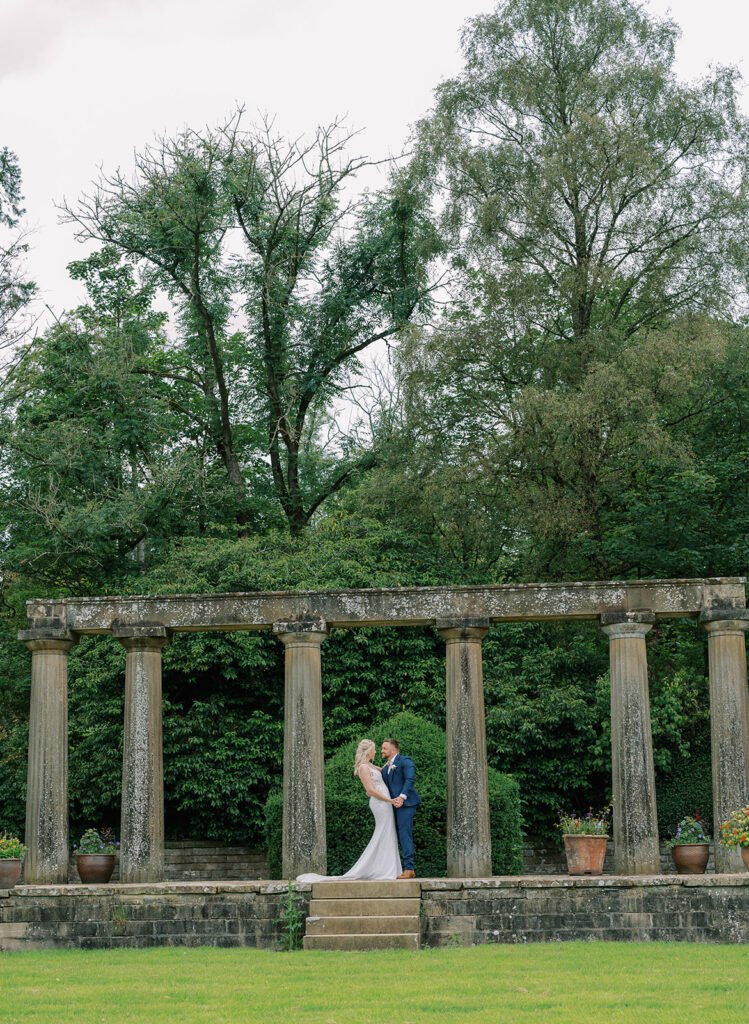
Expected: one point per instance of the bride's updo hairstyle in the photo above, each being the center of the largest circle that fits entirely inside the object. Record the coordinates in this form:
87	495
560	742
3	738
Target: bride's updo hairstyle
362	751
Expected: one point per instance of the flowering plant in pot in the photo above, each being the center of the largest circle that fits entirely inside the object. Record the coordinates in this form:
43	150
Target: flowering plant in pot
735	832
690	846
12	852
95	855
585	837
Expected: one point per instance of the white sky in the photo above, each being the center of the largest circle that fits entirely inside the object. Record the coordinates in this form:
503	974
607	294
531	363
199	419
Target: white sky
84	83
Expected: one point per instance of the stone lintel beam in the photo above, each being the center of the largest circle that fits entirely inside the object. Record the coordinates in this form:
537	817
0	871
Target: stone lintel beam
403	606
304	834
47	779
469	851
729	721
633	774
142	812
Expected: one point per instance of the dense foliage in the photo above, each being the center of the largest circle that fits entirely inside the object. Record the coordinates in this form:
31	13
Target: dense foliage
349	819
573	407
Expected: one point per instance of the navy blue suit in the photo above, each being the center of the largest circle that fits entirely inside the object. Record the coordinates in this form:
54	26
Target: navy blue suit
400	782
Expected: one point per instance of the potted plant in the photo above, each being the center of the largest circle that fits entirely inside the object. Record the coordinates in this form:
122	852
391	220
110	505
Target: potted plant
690	847
585	837
735	832
12	853
95	854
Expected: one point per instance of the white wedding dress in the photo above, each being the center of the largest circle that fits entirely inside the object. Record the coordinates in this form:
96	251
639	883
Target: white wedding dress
380	860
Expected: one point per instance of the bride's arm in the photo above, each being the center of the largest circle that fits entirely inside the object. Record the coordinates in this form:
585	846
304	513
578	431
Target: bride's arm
366	781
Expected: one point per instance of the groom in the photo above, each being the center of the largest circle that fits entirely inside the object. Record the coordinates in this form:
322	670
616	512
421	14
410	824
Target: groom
399	775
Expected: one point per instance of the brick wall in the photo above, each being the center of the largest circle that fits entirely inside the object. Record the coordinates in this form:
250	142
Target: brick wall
550	861
191	860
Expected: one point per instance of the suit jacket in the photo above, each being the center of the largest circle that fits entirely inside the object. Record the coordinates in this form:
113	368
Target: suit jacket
401	780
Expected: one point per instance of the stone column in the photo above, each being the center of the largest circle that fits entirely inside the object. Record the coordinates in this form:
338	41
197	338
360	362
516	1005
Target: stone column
142	813
633	776
304	837
469	850
729	721
47	786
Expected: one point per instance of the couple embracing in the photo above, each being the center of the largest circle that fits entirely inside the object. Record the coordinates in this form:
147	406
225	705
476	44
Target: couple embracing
393	801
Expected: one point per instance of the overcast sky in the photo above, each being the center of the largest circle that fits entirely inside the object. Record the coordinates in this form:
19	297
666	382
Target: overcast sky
84	83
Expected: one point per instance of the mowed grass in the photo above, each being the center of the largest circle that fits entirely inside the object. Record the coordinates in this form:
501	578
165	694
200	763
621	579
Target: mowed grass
570	982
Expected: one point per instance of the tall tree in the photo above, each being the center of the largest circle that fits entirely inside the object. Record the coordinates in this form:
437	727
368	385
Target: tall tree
596	208
590	194
95	459
16	292
280	284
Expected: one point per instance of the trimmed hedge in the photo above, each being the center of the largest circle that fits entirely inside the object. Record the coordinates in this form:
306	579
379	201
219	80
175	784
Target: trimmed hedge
686	790
349	820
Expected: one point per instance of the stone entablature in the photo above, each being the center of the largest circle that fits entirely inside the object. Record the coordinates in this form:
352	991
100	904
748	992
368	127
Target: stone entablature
302	620
402	606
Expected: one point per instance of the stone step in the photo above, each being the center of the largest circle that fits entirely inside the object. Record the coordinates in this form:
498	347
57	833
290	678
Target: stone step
366	890
362	942
364	907
363	925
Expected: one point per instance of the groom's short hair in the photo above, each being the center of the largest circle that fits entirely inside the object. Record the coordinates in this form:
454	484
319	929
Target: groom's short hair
393	743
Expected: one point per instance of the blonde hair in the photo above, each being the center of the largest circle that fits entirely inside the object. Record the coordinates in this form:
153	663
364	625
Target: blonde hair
361	754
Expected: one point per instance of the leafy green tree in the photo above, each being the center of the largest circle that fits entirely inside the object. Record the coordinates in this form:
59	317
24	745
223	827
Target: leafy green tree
16	292
279	282
589	194
96	459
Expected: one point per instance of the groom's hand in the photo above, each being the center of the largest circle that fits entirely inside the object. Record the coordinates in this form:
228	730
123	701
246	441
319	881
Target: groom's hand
398	802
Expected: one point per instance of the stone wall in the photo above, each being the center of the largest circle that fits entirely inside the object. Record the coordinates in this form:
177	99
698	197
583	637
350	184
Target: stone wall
133	916
696	908
690	908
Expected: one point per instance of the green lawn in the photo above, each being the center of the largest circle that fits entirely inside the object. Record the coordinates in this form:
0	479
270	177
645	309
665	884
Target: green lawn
560	983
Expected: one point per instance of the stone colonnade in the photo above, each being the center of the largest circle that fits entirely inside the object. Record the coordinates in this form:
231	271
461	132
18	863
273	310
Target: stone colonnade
304	833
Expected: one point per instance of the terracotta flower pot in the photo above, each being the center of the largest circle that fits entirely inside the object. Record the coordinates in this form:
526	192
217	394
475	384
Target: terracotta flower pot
10	871
691	858
745	856
585	854
95	868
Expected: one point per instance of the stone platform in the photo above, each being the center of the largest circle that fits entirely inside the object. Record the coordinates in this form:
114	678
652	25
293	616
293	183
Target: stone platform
696	908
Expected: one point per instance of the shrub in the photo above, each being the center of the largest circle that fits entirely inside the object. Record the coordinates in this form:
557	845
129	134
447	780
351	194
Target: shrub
349	821
687	789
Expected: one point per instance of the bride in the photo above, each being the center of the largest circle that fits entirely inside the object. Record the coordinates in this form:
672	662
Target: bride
380	859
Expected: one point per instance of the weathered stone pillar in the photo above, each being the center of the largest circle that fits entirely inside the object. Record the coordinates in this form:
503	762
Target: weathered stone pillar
142	813
633	775
47	782
729	721
469	850
304	837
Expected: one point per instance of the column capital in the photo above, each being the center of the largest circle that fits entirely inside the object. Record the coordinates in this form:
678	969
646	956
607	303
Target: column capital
143	636
619	625
301	631
48	638
724	620
471	630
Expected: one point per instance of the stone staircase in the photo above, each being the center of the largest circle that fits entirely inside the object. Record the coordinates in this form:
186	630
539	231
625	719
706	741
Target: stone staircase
364	915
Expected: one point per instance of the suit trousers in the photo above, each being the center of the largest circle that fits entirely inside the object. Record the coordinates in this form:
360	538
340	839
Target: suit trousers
404	822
